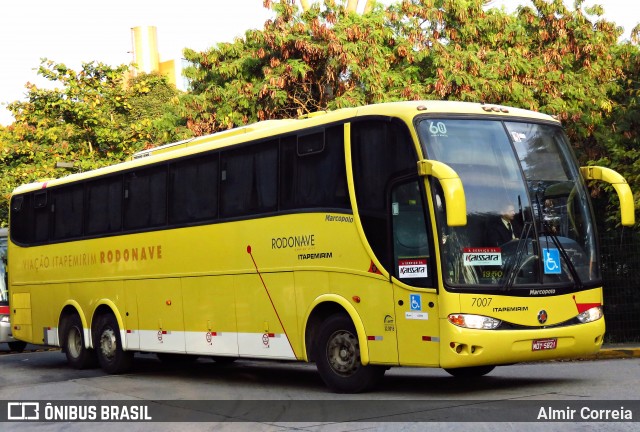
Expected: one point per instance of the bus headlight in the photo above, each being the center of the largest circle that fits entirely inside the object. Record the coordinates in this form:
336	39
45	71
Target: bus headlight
4	318
474	321
593	314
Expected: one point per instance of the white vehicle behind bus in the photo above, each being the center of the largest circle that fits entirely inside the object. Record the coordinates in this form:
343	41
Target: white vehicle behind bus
5	326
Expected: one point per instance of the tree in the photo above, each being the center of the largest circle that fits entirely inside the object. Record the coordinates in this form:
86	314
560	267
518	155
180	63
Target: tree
97	116
619	141
550	58
352	5
322	58
547	58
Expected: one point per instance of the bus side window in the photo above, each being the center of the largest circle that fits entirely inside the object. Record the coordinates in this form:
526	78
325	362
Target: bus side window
313	172
40	217
21	213
193	189
249	180
145	193
104	206
67	207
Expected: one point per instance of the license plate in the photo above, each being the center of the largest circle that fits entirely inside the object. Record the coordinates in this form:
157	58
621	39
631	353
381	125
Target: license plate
544	344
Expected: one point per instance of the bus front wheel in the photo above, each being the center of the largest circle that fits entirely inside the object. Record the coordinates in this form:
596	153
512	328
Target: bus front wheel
337	356
113	359
78	355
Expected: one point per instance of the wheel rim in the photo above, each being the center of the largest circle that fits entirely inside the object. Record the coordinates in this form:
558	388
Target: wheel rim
108	344
74	342
343	353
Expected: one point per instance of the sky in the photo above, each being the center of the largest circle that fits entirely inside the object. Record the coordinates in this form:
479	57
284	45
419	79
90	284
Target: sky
77	31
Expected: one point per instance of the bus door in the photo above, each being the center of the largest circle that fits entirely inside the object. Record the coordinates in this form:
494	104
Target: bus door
413	278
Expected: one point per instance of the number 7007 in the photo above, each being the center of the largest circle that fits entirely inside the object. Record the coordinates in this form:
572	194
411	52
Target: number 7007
481	301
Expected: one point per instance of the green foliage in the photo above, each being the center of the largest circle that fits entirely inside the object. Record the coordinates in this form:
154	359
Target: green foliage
94	117
321	59
619	142
547	57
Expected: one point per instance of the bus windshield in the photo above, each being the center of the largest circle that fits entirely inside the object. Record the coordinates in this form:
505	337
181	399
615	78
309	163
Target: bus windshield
529	222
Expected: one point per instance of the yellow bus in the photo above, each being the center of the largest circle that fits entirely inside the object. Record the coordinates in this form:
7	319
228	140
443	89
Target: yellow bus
435	234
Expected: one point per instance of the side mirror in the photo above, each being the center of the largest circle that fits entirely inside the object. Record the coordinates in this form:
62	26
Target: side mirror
627	210
451	186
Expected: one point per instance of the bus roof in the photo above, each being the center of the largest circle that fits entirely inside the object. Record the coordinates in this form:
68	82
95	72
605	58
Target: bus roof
263	125
405	110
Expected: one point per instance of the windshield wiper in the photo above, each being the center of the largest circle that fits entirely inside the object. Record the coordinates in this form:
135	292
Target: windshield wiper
563	252
546	222
521	247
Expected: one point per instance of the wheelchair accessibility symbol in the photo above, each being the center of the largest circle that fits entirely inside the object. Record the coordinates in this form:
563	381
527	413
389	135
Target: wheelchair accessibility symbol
416	302
551	261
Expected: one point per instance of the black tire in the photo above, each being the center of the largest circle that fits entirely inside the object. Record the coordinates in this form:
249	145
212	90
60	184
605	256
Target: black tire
17	346
113	359
470	372
337	357
74	346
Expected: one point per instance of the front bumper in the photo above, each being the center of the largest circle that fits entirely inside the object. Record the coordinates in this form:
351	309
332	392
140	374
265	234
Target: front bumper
466	347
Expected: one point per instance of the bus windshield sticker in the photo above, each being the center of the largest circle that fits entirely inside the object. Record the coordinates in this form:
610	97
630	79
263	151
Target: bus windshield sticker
412	268
518	137
491	256
551	261
438	129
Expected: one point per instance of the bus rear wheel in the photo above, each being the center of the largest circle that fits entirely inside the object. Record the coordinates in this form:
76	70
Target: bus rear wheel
337	356
470	372
112	357
17	346
75	348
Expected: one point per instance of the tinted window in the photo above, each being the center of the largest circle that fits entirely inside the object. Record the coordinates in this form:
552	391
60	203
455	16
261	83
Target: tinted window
145	198
249	180
40	217
193	188
412	259
30	217
313	171
21	216
104	206
381	151
66	208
